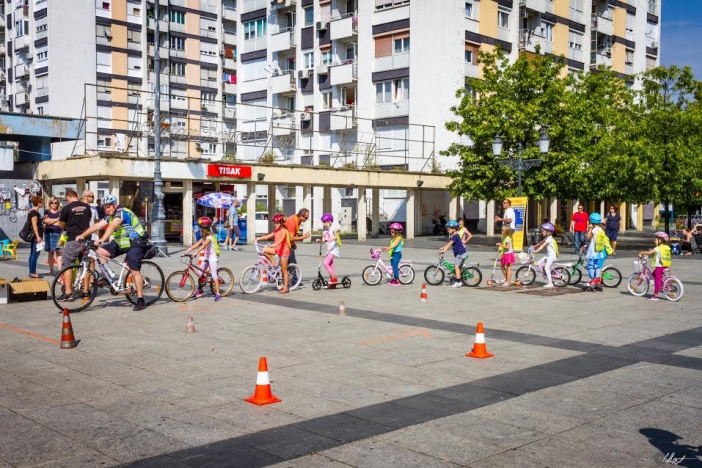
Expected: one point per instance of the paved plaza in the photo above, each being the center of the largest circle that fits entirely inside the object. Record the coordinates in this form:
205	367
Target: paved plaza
577	379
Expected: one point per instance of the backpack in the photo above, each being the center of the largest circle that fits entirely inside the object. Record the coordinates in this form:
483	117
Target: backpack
215	244
602	243
666	259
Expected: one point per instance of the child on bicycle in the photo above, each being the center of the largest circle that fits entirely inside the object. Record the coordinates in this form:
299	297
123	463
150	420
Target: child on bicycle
596	251
281	248
506	254
459	251
549	243
209	244
330	236
395	251
662	259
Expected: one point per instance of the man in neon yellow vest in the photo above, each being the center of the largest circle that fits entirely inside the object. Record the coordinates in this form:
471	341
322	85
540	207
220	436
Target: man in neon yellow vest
129	239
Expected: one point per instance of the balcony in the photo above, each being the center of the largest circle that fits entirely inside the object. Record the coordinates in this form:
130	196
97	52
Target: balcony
229	38
535	5
162	24
603	24
229	64
345	72
229	112
254	44
282	40
3	76
180	79
601	57
281	4
345	27
283	124
21	42
390	11
392	62
229	13
285	82
253	5
165	103
391	109
529	39
343	118
472	70
212	107
163	51
229	88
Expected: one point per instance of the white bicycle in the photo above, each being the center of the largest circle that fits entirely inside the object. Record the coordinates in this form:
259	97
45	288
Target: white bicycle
373	274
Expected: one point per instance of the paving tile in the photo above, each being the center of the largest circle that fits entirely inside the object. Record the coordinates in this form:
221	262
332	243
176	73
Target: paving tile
524	381
289	441
225	454
343	427
366	453
311	461
391	415
471	427
249	416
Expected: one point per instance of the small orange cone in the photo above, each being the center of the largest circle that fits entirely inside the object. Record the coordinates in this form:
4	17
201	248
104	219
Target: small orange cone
479	349
190	327
263	395
423	297
342	308
265	277
68	341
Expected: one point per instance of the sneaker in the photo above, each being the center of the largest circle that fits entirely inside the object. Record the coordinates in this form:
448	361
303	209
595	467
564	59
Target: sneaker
334	280
66	298
236	248
500	281
140	304
504	284
456	284
394	282
653	298
547	285
198	293
218	297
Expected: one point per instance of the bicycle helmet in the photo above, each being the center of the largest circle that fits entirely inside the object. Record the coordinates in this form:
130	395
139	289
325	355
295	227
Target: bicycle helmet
327	218
452	224
278	218
204	221
595	218
396	226
662	235
548	227
109	200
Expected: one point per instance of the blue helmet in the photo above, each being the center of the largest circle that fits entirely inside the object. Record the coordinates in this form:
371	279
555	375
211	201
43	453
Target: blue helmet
595	218
452	224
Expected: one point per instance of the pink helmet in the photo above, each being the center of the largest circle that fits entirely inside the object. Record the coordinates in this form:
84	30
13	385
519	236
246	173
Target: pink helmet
327	217
396	226
662	235
278	218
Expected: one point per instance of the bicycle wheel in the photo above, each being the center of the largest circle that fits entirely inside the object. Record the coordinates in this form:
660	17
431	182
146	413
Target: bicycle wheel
575	276
180	286
560	277
75	302
434	275
372	275
153	283
471	276
226	281
251	279
637	285
525	275
611	277
294	276
673	289
406	274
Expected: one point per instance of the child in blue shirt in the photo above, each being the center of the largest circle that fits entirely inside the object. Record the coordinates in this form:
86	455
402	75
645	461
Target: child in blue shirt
459	251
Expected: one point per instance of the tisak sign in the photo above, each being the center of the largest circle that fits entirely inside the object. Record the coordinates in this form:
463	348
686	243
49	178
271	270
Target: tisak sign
228	170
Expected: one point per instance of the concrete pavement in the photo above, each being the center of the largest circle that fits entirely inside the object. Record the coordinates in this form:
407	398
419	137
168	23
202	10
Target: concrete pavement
579	379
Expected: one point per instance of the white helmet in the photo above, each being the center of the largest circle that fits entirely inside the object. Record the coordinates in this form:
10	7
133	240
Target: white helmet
109	200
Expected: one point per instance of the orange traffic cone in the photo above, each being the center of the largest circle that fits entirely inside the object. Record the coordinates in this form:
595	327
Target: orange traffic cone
201	258
423	297
263	395
190	327
68	341
342	308
479	349
265	277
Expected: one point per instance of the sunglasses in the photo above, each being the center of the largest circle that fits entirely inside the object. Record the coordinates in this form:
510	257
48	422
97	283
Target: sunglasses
53	203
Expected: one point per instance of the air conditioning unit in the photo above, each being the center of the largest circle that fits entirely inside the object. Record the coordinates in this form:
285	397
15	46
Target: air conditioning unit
523	13
302	74
305	117
321	26
654	44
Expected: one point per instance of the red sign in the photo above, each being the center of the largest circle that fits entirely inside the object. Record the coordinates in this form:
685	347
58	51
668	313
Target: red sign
226	170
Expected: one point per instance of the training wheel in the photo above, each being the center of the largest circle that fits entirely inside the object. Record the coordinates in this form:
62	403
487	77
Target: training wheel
317	284
346	282
490	282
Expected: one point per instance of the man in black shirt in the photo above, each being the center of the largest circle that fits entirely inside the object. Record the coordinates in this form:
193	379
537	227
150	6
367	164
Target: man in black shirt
75	219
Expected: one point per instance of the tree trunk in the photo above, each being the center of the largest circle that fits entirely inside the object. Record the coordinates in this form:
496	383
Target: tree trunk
666	213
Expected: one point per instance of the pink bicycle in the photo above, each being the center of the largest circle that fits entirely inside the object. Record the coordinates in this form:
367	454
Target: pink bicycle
638	284
373	274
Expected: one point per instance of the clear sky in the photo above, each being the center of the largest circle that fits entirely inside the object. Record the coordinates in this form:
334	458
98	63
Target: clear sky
681	33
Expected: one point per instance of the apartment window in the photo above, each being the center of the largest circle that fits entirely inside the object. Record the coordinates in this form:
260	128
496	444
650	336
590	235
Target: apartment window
503	18
469	9
383	92
308	59
327	100
652	7
326	58
177	17
471	54
392	91
21	28
309	16
177	43
40	110
575	41
134	36
208	98
41	56
230	99
576	5
103	86
104	141
104	31
650	63
177	68
134	89
136	11
548	31
209	148
133	63
629	57
41	25
255	29
630	26
105	5
401	45
104	62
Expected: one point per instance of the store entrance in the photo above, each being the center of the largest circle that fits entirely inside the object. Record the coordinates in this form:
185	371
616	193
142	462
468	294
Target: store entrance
173	206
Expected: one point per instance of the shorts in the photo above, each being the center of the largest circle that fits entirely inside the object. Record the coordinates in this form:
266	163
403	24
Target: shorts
134	254
507	259
461	258
612	234
51	240
71	252
235	232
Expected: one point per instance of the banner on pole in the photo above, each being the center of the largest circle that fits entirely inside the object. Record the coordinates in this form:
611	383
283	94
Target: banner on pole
519	205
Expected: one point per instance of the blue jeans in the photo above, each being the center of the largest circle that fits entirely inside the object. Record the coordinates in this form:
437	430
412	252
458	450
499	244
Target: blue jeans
580	239
33	258
395	262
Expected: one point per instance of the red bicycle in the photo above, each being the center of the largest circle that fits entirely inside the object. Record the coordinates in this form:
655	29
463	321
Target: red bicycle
180	285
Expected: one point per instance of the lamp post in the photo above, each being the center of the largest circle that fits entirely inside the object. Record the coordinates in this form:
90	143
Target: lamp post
158	215
520	164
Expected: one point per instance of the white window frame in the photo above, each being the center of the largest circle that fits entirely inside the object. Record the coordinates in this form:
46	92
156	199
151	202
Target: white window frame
404	44
308	14
308	58
208	98
469	10
255	29
174	16
503	18
576	5
573	43
42	56
176	67
327	102
468	56
174	41
548	30
629	57
104	141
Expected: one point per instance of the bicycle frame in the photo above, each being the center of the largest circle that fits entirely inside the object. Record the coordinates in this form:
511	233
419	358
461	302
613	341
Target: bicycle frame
115	285
379	263
450	268
274	273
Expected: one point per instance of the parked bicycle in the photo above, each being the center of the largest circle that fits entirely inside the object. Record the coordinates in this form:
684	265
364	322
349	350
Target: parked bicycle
180	285
373	274
639	282
611	276
251	279
436	274
527	274
85	281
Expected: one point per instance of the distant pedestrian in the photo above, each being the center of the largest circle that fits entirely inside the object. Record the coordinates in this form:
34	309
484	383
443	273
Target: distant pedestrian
509	217
578	227
613	225
34	217
52	233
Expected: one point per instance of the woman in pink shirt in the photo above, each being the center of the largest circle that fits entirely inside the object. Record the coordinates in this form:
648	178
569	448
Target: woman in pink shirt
281	248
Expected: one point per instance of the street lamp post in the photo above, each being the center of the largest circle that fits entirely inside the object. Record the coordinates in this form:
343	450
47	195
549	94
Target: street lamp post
158	215
520	164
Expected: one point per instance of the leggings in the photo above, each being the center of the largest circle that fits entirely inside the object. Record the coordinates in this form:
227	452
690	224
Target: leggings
329	264
658	276
213	268
594	267
395	262
545	263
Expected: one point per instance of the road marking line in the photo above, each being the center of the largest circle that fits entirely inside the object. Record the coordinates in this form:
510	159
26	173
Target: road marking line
25	332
